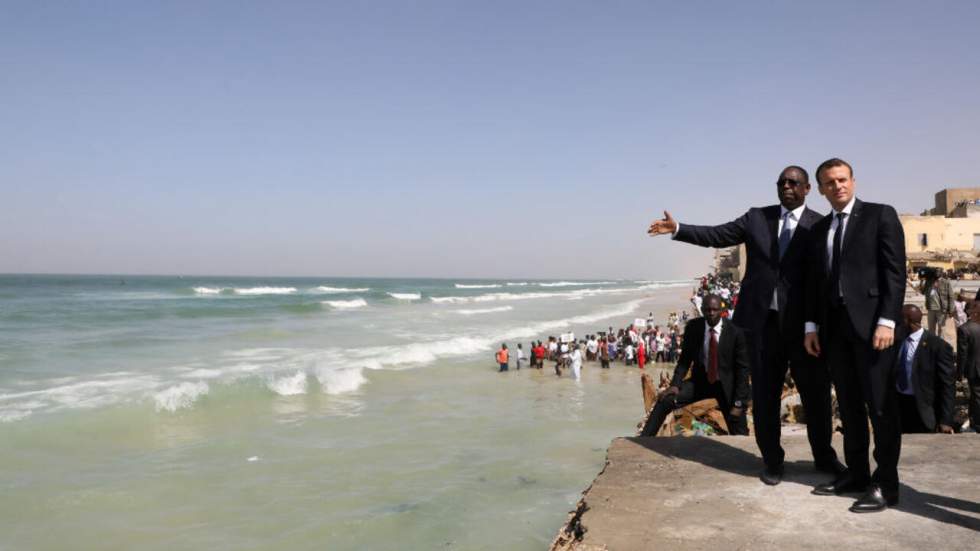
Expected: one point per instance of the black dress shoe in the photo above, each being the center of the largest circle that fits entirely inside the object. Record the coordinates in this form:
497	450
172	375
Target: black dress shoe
843	484
772	475
833	467
875	500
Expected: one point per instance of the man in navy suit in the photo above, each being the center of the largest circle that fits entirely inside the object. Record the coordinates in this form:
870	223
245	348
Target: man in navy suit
855	288
925	376
770	310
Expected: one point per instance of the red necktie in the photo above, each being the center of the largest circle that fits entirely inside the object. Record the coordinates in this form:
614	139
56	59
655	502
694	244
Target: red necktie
713	357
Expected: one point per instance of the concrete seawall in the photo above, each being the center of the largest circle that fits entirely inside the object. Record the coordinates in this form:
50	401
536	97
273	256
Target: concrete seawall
704	492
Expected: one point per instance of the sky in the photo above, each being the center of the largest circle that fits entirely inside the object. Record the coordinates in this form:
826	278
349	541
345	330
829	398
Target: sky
529	139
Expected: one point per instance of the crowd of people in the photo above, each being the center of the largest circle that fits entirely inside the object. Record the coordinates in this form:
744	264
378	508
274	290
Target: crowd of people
637	344
720	284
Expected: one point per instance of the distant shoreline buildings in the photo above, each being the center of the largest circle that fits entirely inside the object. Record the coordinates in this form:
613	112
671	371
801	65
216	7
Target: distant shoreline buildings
946	236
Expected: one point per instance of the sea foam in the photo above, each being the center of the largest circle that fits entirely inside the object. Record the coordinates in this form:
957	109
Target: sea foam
265	290
180	396
570	295
208	290
346	304
289	385
405	296
477	286
340	381
576	283
339	290
473	312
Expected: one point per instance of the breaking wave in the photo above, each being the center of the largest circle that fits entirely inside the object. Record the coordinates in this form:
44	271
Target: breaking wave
570	295
346	304
208	290
478	286
264	290
576	283
180	396
339	290
289	385
474	312
340	381
405	296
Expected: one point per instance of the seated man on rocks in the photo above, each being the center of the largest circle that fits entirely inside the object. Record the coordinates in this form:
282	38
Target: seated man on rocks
714	363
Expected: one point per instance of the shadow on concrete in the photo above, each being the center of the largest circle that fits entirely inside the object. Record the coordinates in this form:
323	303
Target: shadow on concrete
715	453
937	507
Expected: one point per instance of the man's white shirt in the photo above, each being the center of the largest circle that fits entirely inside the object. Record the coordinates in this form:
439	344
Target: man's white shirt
707	338
791	219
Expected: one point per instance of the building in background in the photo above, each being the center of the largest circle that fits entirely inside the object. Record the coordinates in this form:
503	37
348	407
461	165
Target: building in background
946	236
731	261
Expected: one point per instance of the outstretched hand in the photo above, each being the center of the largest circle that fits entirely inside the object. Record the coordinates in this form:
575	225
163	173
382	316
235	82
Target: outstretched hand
660	227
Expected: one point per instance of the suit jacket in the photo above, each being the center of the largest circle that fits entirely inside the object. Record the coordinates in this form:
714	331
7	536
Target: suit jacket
764	272
968	350
932	377
872	273
733	358
872	268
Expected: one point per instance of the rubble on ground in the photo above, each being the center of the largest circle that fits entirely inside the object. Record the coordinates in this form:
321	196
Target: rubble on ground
704	418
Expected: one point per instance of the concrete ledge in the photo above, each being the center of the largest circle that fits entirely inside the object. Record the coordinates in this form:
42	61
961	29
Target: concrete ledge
704	493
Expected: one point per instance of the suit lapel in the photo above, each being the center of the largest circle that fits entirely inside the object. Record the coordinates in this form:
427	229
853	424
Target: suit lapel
853	226
919	352
725	343
806	221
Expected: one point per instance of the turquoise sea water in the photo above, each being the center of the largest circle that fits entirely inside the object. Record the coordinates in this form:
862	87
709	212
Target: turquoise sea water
311	413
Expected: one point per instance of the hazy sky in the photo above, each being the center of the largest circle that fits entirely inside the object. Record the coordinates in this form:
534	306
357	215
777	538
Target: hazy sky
457	139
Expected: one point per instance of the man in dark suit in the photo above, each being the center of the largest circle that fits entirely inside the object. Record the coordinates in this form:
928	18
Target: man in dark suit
714	363
968	360
924	376
855	290
770	310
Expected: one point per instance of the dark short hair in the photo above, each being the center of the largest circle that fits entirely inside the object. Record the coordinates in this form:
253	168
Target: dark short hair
830	163
806	177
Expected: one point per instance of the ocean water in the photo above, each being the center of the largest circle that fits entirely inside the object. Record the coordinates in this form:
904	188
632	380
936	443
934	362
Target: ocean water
301	413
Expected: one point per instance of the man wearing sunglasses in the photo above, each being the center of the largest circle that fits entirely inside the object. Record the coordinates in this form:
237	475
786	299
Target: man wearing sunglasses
771	311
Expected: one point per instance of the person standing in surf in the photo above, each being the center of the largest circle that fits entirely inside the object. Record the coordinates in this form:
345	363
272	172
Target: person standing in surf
503	358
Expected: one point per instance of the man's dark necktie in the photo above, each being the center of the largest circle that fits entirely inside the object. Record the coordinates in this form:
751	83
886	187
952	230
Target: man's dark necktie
713	357
785	236
835	261
905	377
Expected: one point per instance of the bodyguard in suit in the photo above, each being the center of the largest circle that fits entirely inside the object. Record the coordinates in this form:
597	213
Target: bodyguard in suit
770	310
714	363
968	360
924	376
855	290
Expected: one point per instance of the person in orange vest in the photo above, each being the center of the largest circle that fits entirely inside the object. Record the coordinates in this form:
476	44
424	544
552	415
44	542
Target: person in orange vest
503	357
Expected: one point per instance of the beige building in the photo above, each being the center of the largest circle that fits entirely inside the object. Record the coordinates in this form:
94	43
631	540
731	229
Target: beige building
948	235
731	260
